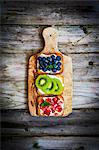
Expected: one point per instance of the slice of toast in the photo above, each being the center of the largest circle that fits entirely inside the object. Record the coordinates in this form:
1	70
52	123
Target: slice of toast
50	83
50	63
50	106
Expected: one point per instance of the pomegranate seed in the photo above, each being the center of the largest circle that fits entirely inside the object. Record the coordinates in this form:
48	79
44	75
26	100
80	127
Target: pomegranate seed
56	114
47	112
59	108
55	100
41	101
48	100
52	110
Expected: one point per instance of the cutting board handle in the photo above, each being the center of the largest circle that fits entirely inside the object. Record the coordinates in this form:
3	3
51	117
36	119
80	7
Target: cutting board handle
50	36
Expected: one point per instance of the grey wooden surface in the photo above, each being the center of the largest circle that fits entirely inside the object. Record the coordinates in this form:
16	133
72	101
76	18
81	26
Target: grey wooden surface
22	23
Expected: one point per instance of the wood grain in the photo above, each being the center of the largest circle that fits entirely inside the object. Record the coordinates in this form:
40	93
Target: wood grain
50	13
78	25
20	123
38	143
28	39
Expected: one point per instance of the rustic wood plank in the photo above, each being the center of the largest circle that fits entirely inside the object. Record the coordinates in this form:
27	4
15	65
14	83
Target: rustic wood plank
20	123
22	118
28	39
74	130
36	143
49	13
13	74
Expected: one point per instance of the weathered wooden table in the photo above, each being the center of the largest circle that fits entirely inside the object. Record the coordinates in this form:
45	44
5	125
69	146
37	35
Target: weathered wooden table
22	23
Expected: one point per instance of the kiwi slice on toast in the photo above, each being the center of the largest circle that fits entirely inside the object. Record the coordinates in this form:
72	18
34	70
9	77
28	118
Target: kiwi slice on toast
48	85
43	81
59	87
50	89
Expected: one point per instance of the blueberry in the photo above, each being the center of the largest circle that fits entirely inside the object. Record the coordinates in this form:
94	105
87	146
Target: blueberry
53	57
54	70
58	68
40	67
46	61
54	61
41	62
59	63
48	58
58	58
39	58
45	64
44	69
50	62
43	58
48	68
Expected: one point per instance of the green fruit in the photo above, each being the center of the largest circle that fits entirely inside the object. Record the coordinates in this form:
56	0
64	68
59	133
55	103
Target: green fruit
43	81
48	85
50	89
59	87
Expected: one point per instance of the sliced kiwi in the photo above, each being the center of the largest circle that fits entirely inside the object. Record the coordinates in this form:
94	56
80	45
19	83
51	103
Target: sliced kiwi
50	89
59	87
49	85
43	81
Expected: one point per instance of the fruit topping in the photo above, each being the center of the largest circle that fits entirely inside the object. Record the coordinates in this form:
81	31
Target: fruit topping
49	85
58	58
50	63
47	112
51	106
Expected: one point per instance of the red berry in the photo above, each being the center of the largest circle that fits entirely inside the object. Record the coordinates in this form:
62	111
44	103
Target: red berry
48	100
52	110
41	101
55	100
58	108
56	114
47	112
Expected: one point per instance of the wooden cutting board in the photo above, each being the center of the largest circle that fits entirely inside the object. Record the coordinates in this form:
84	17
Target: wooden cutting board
50	36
